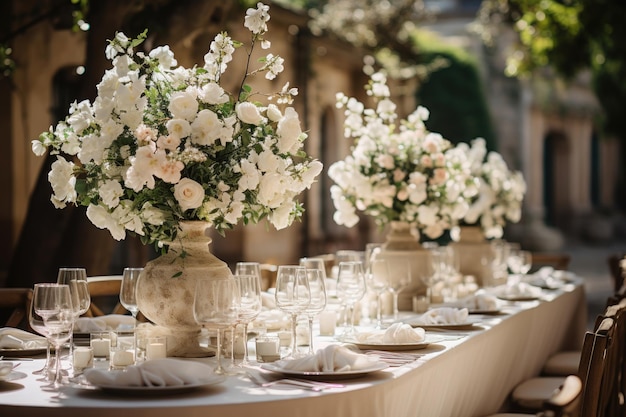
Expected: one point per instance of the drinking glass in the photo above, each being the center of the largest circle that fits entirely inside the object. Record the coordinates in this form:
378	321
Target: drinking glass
378	281
351	287
317	287
128	290
519	262
399	279
76	280
292	295
215	306
37	324
53	302
318	263
249	306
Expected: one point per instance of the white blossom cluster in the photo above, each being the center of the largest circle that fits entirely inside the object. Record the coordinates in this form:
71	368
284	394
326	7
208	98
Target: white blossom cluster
501	191
162	143
398	170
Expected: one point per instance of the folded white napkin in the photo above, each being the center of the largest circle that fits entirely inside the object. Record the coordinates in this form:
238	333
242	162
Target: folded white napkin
11	338
268	300
102	323
397	333
520	289
167	372
479	301
333	358
444	315
271	319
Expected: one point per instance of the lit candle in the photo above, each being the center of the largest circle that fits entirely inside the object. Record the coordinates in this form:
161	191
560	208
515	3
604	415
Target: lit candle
101	347
155	350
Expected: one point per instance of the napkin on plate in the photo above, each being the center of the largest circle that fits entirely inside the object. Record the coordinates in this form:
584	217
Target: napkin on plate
397	333
443	315
167	372
11	338
102	323
333	358
520	289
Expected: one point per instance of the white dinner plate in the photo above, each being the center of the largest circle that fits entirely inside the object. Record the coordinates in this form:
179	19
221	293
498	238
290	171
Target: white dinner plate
487	312
396	346
454	326
355	373
166	390
13	376
518	297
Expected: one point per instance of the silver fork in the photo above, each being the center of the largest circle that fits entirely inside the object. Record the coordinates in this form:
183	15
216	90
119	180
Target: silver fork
260	380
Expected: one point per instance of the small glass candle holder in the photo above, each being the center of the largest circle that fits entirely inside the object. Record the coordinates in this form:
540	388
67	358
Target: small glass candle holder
328	322
100	343
82	358
267	348
156	347
122	354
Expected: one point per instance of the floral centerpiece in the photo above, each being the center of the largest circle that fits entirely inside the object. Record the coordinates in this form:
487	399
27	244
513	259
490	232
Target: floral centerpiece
162	144
501	190
398	170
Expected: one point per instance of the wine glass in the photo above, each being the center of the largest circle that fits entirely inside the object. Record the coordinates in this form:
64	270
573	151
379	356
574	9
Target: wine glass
351	287
519	262
53	303
318	263
128	290
399	279
249	306
36	323
76	280
215	306
378	281
292	295
317	286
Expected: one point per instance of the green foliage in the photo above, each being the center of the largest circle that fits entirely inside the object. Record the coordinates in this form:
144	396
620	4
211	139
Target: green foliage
453	94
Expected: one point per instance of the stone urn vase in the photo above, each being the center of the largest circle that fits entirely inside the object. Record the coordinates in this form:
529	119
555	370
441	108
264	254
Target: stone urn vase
166	287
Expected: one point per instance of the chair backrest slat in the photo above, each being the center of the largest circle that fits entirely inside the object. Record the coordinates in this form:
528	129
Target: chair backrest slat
14	306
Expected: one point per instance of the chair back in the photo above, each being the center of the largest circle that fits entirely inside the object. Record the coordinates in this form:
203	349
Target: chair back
105	296
565	402
14	306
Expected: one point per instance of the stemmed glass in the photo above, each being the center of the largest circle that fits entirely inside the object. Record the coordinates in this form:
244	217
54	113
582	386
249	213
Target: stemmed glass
249	306
36	323
519	262
399	279
292	295
215	305
53	302
378	281
351	287
76	280
128	290
317	287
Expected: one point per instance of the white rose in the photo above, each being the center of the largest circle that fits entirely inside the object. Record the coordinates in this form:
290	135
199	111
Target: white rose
189	194
249	113
212	93
183	105
178	128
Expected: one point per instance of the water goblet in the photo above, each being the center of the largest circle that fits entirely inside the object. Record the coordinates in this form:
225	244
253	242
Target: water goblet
215	306
351	287
249	306
378	282
36	322
53	302
519	263
292	296
317	287
399	279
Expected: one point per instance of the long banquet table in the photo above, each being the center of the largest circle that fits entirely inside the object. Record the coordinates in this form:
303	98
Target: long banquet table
470	374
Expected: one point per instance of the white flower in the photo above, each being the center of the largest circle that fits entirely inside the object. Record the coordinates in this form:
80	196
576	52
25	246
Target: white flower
206	128
249	113
189	194
212	93
288	130
102	219
110	193
63	181
164	56
183	105
256	19
281	217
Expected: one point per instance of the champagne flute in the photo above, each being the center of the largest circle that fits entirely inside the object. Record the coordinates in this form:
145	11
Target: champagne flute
249	306
76	280
351	287
378	281
292	295
53	302
128	290
215	306
317	287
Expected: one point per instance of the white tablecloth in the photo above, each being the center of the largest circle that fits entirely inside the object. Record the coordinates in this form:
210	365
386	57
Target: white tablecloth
469	374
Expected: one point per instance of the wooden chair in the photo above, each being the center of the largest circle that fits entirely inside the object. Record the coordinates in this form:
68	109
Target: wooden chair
268	275
617	268
14	306
105	295
558	261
